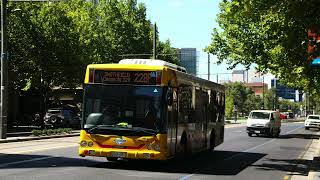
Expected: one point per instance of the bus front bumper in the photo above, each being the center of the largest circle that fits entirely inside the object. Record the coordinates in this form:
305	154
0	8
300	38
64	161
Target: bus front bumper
120	153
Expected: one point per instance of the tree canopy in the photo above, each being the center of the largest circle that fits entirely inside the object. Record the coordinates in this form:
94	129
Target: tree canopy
271	34
50	44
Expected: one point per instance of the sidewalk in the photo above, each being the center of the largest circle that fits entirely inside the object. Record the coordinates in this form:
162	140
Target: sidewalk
27	136
310	162
314	150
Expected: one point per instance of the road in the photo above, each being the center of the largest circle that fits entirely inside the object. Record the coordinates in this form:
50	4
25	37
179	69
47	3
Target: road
239	157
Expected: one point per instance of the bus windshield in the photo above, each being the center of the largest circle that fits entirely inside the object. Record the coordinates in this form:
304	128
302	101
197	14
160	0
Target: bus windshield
110	108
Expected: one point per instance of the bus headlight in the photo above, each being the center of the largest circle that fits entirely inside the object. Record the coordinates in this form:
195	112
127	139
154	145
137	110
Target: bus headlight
90	143
83	143
156	147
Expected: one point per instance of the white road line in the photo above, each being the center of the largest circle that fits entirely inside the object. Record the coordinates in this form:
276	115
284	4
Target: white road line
239	154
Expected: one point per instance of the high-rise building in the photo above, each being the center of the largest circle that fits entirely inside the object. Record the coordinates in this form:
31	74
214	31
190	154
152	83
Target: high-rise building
189	59
285	92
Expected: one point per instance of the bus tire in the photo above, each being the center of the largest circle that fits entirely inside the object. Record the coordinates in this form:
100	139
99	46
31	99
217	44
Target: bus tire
212	140
184	145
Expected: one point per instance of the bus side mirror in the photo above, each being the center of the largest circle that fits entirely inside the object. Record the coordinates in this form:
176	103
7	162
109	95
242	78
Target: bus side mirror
93	118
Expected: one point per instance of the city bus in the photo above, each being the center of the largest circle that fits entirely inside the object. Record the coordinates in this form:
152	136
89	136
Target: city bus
149	109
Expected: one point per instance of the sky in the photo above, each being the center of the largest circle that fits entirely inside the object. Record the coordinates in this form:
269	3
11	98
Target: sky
189	24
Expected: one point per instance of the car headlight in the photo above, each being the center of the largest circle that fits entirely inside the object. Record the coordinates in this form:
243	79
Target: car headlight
267	124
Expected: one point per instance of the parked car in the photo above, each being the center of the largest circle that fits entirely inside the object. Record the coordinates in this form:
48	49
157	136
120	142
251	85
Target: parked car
312	121
283	116
61	117
264	122
289	115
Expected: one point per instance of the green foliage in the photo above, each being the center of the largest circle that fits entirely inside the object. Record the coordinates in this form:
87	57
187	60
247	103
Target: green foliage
271	34
50	44
49	132
237	93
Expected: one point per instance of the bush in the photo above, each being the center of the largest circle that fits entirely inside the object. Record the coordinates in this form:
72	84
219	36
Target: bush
49	132
36	132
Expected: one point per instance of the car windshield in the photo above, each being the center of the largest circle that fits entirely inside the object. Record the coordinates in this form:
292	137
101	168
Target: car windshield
259	115
53	111
313	117
123	106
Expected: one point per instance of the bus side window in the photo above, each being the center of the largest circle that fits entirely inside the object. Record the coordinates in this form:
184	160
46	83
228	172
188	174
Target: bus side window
213	106
185	101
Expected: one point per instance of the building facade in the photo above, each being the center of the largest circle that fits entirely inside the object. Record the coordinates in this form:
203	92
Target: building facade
259	88
189	59
285	92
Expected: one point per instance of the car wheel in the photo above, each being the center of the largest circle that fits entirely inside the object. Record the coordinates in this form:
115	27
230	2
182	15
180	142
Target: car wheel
271	133
250	134
277	134
306	128
53	119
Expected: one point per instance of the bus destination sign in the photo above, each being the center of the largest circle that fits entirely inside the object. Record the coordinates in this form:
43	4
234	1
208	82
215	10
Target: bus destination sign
125	77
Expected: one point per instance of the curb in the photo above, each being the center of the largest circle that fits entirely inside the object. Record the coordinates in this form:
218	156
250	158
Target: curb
37	138
313	174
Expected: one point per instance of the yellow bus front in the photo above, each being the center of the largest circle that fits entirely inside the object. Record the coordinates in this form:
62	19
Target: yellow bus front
123	113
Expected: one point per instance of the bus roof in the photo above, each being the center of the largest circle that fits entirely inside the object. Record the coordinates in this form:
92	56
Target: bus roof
139	64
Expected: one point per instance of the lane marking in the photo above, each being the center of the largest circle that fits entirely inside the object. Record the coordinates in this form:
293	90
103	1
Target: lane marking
239	154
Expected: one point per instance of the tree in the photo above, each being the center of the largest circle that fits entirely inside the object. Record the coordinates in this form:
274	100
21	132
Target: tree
271	34
237	93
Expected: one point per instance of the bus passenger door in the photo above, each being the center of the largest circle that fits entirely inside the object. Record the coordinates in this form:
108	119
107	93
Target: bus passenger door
172	110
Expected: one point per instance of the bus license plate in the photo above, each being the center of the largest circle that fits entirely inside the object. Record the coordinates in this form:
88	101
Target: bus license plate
256	131
119	154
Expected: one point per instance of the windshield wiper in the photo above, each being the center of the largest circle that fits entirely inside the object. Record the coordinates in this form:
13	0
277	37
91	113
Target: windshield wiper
145	130
96	127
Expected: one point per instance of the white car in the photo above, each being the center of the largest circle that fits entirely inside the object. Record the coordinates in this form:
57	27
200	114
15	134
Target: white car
312	121
264	122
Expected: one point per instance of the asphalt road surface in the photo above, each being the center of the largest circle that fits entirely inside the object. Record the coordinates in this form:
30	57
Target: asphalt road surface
239	157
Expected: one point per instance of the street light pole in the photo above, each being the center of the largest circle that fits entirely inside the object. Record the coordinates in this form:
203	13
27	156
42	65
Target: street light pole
208	67
4	72
263	91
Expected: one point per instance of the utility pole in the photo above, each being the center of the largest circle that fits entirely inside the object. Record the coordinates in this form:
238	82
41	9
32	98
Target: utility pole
262	91
208	67
4	72
154	41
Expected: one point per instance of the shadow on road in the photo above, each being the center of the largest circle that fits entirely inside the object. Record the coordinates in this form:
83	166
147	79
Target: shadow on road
211	163
300	136
297	166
